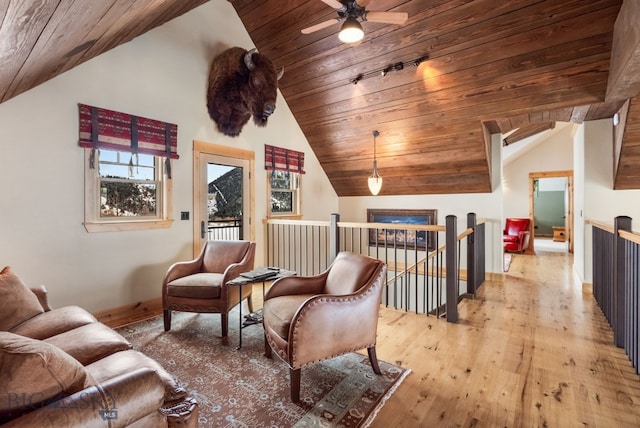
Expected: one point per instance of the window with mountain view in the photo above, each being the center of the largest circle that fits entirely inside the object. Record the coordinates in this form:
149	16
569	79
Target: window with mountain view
128	186
125	188
284	193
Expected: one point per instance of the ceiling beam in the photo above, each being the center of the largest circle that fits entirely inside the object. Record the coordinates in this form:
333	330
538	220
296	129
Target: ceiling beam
527	131
624	73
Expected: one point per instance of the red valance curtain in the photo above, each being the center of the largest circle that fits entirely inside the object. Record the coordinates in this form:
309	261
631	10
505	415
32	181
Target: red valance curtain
111	130
280	159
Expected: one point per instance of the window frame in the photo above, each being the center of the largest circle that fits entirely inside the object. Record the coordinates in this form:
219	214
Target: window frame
93	222
297	196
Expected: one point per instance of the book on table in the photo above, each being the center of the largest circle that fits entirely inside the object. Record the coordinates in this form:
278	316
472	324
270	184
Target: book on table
260	273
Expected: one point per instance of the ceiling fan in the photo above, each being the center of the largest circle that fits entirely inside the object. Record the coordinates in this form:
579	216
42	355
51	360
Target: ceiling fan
352	13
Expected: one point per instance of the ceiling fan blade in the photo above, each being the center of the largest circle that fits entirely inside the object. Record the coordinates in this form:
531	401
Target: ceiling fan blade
320	26
397	18
363	3
334	4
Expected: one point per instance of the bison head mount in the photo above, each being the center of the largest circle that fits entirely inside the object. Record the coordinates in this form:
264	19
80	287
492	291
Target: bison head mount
241	84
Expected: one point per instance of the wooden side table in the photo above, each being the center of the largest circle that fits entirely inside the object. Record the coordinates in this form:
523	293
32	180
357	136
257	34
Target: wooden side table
558	234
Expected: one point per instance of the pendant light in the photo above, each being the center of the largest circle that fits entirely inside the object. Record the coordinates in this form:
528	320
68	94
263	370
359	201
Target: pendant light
375	181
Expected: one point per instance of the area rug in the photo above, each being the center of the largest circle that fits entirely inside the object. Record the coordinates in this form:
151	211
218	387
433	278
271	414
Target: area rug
243	388
507	261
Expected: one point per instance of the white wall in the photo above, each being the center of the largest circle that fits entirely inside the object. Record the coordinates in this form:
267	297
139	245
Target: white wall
578	204
601	203
160	75
487	206
553	152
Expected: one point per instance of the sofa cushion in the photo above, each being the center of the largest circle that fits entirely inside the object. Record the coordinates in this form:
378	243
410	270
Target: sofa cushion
18	302
126	361
54	322
279	312
196	286
89	343
32	372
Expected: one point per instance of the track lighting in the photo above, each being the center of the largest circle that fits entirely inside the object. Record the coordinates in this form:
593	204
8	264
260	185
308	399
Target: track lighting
398	66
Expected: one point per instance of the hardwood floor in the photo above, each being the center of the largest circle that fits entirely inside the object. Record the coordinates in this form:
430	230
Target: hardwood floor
534	351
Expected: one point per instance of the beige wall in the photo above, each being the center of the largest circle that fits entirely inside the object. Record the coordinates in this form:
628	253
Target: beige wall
601	203
552	151
161	75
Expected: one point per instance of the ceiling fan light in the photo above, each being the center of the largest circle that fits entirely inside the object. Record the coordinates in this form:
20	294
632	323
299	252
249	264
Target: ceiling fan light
351	31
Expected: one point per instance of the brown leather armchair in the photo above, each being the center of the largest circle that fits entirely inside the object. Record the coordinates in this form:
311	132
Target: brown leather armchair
310	319
200	285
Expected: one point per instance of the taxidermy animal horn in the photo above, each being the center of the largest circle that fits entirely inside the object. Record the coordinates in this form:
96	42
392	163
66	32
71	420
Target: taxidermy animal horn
248	60
281	73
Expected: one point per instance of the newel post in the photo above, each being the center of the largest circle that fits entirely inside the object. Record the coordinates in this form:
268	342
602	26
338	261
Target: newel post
619	268
451	241
471	255
334	237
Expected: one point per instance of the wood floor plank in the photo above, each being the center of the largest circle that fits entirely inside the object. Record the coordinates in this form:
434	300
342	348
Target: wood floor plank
533	350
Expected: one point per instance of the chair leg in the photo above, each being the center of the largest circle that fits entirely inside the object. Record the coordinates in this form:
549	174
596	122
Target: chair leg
249	304
295	384
373	359
167	320
267	348
225	325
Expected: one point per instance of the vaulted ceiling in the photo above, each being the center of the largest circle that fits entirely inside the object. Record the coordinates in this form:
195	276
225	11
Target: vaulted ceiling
488	67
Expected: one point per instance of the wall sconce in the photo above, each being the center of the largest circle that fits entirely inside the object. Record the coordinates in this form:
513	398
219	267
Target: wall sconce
375	181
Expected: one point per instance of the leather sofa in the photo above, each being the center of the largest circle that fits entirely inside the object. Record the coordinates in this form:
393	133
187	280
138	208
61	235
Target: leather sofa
63	368
516	235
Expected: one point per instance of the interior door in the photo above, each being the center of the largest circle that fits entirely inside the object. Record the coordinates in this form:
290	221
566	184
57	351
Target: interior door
222	198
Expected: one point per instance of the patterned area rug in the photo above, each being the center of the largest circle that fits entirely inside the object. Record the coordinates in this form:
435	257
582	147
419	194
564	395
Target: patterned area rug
243	388
507	261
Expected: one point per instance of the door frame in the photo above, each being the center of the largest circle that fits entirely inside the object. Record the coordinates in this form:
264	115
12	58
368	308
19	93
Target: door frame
201	148
568	221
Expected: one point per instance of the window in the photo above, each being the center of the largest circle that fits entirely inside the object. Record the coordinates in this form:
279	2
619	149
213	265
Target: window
125	193
284	176
127	170
284	193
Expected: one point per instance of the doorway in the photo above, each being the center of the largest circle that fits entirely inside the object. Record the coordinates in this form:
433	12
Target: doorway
222	194
551	209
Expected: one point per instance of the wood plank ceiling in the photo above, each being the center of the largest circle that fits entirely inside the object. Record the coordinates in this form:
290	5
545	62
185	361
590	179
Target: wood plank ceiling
40	39
491	67
506	65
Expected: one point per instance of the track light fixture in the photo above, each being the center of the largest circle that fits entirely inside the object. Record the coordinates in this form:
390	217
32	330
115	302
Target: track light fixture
398	66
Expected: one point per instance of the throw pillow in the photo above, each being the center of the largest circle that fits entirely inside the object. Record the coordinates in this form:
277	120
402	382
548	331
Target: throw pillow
34	373
18	302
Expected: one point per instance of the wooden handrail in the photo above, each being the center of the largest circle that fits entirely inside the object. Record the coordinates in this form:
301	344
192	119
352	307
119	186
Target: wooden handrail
465	233
629	236
393	226
295	222
603	226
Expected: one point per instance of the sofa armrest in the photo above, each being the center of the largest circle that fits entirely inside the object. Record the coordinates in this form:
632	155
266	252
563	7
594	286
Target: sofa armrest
117	402
41	294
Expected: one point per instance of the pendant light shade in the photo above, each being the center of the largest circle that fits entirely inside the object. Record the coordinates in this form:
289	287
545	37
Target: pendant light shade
375	181
351	31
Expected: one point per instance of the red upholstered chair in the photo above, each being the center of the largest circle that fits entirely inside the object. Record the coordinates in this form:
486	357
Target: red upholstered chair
310	319
516	235
200	285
